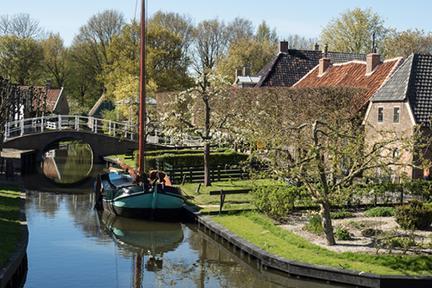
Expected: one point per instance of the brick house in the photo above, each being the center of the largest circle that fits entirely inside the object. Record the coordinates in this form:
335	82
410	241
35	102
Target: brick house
402	104
289	66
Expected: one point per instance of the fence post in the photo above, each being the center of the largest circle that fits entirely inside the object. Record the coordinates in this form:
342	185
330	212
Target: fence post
95	126
109	127
22	126
59	124
42	124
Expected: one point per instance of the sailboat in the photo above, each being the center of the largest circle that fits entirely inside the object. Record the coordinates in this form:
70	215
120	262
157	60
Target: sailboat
139	197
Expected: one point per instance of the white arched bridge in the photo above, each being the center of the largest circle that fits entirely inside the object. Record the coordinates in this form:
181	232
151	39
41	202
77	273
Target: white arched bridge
104	136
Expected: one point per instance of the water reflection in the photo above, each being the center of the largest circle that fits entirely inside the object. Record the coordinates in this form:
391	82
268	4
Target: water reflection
72	246
67	162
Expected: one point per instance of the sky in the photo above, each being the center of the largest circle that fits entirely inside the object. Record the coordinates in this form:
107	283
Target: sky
305	18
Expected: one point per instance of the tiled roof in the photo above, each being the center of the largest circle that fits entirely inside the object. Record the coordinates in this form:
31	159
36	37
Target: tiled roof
51	98
412	82
351	74
287	68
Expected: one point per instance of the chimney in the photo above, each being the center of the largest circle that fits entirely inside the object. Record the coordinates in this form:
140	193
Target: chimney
317	47
324	64
372	61
283	47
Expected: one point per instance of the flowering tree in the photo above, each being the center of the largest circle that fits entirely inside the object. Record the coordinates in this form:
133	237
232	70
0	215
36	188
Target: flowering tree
315	138
203	110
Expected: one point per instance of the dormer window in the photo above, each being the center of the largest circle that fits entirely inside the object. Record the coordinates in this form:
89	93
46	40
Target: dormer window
396	115
380	114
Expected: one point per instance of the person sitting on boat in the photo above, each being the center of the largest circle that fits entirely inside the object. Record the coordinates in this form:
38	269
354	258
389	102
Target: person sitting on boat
156	175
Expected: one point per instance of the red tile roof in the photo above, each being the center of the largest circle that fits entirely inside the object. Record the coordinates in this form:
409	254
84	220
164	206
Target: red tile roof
351	74
51	99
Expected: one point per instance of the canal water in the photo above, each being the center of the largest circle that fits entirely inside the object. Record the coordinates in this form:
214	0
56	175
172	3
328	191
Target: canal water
72	245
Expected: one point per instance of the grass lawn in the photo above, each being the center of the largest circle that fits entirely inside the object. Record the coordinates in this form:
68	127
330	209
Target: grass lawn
262	232
233	202
9	222
122	157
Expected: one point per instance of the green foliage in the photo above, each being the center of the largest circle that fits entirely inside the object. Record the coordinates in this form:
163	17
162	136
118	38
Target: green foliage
352	31
404	43
342	234
414	215
21	60
193	159
420	188
277	201
314	225
341	214
380	212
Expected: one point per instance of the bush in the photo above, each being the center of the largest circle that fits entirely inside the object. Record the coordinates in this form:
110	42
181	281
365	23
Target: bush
420	188
341	214
342	234
196	159
314	225
415	215
276	201
380	212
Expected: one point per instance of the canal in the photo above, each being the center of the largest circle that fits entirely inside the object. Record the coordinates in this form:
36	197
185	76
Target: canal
73	245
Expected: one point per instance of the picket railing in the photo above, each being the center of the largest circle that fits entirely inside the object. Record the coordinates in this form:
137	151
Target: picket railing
42	124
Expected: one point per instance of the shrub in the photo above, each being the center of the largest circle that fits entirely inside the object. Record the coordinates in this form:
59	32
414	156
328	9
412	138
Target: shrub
314	225
341	214
195	159
419	188
415	215
276	201
380	212
342	234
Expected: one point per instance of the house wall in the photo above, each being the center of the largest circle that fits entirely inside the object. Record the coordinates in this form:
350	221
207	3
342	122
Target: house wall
376	132
62	107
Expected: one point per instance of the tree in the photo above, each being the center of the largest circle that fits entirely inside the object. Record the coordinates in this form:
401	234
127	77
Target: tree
264	33
316	142
20	25
200	111
165	66
210	43
240	29
300	42
403	43
89	54
180	25
55	57
21	60
352	31
246	53
5	103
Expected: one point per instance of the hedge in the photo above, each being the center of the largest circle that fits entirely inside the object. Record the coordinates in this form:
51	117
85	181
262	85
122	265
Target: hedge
193	159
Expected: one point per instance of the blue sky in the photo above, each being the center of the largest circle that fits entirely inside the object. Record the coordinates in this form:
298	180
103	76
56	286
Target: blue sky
288	17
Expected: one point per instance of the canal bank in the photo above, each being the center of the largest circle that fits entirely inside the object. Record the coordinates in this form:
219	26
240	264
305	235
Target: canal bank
15	236
267	262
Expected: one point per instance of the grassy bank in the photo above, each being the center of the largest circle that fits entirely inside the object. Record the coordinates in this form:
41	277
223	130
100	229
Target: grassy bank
9	222
233	202
262	232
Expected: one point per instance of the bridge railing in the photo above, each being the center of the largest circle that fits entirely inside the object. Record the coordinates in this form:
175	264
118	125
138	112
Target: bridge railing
69	122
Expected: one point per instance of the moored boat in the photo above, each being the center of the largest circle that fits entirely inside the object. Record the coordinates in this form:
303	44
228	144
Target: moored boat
121	196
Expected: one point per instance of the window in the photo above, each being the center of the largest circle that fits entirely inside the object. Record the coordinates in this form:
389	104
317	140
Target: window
396	114
380	114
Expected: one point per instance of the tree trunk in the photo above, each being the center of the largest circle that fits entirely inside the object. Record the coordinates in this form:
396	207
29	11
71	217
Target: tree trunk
327	223
207	180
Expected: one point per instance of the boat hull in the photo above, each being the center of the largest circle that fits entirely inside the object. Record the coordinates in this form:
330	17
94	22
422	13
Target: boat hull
147	206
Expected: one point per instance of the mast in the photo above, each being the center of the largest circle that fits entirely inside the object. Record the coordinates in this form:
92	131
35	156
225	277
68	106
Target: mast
142	93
